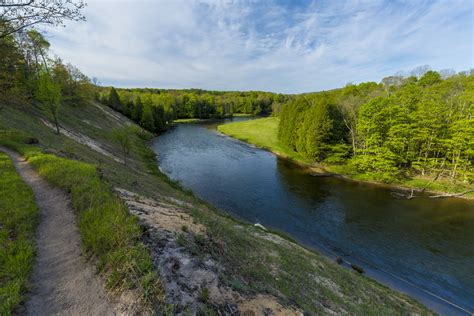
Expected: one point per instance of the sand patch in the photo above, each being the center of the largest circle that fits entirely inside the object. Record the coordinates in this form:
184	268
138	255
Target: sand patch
84	140
160	214
191	281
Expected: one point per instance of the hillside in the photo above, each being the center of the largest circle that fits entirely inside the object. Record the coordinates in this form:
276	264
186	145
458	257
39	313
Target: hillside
206	261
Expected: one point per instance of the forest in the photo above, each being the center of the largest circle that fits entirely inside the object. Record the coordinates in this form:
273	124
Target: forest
403	126
155	109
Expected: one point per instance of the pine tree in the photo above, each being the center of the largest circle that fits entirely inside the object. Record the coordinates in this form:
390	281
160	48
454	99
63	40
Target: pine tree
114	101
137	110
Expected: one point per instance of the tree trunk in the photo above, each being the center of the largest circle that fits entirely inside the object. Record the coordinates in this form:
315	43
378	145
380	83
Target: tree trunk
56	123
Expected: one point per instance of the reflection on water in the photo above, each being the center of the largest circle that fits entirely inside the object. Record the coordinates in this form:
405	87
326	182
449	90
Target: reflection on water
428	242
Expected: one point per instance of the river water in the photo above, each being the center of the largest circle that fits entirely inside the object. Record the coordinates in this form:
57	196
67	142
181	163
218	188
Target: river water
423	247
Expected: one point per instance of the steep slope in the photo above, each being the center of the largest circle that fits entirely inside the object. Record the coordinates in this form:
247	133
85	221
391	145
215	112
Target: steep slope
208	261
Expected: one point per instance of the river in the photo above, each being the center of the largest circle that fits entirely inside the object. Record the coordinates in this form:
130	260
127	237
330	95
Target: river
423	247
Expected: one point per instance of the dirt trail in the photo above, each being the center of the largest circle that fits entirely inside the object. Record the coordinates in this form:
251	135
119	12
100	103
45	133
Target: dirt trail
62	281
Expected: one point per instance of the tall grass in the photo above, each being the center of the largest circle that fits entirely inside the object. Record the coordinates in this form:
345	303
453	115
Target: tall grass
18	220
108	232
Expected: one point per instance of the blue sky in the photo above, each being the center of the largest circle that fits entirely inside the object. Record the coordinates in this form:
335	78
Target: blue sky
282	46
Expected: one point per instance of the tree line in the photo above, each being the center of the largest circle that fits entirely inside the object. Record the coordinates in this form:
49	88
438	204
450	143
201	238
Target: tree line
28	74
403	126
155	109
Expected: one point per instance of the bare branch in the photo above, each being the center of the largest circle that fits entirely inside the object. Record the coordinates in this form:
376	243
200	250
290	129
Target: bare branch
19	16
451	195
9	5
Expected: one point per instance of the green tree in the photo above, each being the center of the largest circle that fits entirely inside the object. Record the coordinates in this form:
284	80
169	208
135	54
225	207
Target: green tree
49	95
122	136
159	119
430	78
137	111
114	101
147	120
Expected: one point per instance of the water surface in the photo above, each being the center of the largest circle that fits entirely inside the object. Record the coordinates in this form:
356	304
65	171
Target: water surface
422	246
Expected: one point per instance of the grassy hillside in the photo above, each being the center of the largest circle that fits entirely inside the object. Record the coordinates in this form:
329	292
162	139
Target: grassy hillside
109	234
86	161
264	134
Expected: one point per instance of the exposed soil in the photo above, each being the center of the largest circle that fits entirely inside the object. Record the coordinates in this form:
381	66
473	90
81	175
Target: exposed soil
62	281
84	140
191	283
112	114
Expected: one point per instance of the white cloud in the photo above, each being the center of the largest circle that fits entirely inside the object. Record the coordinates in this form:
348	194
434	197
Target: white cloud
245	45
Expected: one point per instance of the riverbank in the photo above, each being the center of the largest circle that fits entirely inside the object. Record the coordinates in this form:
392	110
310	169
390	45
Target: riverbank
197	120
258	265
263	133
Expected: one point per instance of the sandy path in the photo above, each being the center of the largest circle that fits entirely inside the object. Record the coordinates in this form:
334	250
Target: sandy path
62	282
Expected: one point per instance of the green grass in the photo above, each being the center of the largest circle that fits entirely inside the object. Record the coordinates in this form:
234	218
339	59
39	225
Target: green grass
242	114
263	133
109	234
18	220
254	264
188	120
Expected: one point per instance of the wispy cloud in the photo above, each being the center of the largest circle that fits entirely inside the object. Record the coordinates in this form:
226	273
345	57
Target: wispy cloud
283	46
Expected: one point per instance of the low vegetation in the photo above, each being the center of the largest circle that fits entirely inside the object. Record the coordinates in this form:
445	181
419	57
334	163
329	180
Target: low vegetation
18	220
262	133
256	261
109	234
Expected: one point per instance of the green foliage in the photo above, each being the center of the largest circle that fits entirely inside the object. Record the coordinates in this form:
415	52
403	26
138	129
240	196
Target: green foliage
147	120
12	83
169	105
430	78
420	127
27	72
338	153
18	220
123	137
136	113
310	125
49	95
114	101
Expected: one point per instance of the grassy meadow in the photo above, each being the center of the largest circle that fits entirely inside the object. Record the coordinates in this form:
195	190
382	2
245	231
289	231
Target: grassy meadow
262	133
